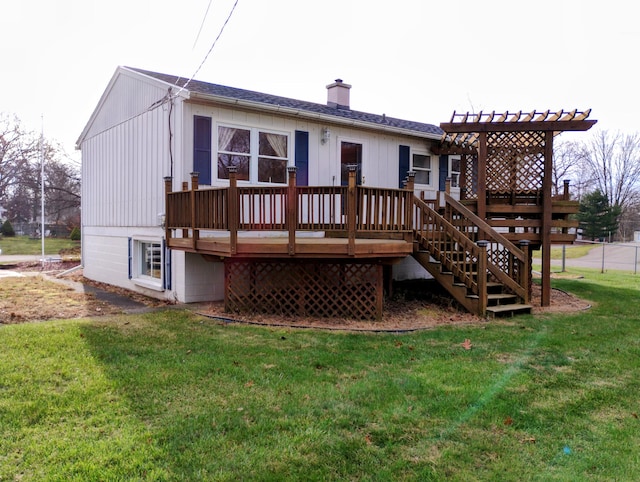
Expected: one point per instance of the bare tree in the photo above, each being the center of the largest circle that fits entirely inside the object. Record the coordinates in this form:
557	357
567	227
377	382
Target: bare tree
21	158
566	166
611	162
17	149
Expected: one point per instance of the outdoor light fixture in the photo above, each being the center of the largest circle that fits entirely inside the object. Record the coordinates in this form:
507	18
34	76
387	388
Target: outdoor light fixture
161	219
326	134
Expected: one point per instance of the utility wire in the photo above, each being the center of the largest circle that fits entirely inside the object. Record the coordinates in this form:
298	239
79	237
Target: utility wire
210	49
202	25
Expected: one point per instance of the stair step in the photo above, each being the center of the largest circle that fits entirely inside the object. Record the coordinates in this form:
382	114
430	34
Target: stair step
508	310
498	298
501	296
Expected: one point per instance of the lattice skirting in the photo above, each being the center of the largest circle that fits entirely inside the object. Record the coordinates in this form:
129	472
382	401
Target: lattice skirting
304	288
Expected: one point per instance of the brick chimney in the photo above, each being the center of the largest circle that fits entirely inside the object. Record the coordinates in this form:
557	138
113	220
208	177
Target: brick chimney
338	94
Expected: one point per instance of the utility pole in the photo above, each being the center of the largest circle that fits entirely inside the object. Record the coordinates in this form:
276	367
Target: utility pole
42	185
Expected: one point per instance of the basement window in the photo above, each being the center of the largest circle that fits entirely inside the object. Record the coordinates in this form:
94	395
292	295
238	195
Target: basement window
146	263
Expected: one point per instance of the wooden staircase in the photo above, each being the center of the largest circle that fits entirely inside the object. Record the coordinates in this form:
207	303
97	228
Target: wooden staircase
480	268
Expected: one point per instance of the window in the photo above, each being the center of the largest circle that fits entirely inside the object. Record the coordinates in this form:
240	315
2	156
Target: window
260	156
234	149
147	263
422	168
272	160
455	172
151	260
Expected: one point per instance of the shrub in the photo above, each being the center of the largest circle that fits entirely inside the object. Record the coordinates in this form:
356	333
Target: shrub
7	229
75	234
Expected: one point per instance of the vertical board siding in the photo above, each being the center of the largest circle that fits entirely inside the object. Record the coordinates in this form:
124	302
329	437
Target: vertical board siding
123	169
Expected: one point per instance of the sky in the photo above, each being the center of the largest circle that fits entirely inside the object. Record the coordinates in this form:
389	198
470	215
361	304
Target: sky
417	60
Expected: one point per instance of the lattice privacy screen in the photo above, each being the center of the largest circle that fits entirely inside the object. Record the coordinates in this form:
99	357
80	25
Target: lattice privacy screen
515	161
321	289
515	164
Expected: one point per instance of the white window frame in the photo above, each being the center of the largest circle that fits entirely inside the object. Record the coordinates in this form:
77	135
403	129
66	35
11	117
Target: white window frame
138	256
420	169
455	175
254	155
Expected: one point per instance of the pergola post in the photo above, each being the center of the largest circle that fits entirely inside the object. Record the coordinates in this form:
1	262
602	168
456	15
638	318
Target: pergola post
547	207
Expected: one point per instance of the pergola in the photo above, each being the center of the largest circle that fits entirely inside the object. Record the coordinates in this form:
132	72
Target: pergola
509	157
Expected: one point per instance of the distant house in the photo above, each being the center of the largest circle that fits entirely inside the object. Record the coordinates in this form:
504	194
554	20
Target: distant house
147	126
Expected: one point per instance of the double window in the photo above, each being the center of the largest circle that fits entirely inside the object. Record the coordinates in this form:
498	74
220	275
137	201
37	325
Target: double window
260	156
422	167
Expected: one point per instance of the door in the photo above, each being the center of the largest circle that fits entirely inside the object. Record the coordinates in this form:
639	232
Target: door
350	153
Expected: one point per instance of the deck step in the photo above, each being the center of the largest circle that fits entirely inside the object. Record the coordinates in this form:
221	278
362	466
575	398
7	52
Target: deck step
508	310
495	299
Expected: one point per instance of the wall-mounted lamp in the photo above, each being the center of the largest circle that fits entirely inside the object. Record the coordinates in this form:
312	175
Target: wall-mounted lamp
326	134
161	219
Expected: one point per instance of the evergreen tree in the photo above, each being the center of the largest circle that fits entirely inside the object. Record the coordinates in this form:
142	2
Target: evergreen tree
7	229
598	218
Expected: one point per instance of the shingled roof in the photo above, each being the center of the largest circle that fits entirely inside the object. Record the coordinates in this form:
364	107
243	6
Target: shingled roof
382	121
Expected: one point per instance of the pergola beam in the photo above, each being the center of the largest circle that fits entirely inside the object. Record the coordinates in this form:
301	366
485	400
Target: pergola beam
542	126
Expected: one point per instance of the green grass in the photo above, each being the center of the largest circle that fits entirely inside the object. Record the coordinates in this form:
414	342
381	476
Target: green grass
571	251
173	396
25	245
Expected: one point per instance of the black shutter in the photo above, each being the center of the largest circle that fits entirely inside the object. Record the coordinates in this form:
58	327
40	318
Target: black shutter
302	158
202	148
130	257
404	165
443	172
166	278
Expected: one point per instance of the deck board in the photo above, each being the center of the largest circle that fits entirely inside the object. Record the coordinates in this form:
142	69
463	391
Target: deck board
305	247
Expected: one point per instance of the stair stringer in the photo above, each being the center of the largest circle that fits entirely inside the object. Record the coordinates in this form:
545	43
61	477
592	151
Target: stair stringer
447	281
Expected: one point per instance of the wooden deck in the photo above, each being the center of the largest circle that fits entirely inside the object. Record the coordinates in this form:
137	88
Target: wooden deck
303	247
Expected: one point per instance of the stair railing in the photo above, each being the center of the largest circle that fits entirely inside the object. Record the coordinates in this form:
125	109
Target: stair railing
506	262
456	252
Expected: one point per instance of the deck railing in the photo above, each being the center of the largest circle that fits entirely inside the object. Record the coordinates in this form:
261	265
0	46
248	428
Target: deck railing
351	211
505	261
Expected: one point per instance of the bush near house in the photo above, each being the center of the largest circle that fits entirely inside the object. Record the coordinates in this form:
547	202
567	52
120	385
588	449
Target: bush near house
7	229
75	234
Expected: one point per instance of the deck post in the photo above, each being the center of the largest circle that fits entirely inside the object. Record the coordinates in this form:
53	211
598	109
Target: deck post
292	212
525	270
167	212
351	209
233	214
194	188
185	188
565	193
408	204
482	276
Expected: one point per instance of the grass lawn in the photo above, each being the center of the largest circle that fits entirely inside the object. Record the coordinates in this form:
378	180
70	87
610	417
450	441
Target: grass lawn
174	396
25	245
571	251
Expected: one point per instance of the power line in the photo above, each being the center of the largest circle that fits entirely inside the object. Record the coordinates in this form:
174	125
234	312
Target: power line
210	49
202	25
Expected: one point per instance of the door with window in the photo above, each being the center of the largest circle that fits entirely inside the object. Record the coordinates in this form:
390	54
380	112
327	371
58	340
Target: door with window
350	154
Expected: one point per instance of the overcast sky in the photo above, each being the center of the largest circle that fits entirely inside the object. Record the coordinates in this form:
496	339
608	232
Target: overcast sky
414	59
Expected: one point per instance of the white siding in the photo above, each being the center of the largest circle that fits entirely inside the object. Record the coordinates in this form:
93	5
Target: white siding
126	97
122	171
381	158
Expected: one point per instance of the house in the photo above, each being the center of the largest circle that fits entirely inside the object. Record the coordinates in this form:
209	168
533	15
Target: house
195	191
149	125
